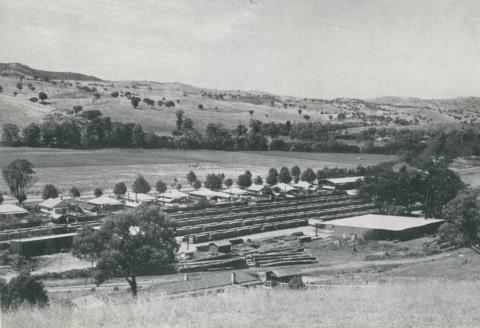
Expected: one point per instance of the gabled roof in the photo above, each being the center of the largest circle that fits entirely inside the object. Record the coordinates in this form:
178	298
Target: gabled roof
303	185
173	194
234	191
205	192
103	200
256	187
54	203
10	209
87	206
345	180
140	197
283	187
286	272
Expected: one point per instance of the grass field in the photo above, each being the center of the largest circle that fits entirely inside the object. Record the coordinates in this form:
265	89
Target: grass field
88	169
427	304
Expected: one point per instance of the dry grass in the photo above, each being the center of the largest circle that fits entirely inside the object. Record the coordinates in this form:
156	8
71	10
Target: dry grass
89	169
426	304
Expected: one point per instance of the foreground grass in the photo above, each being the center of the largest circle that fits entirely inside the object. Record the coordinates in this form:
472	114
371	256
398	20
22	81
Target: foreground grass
427	304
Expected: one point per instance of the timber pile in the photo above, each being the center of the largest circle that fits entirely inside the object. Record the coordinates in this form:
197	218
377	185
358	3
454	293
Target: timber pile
280	257
209	264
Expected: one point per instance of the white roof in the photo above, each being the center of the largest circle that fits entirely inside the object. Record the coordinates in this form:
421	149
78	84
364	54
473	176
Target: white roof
173	194
140	197
383	222
234	191
303	184
256	187
284	187
205	192
345	180
103	200
52	202
11	209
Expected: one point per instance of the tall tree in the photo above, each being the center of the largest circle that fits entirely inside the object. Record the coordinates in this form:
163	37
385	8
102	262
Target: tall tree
10	135
295	173
272	177
308	175
120	189
140	185
161	187
244	181
31	135
87	245
19	176
284	175
49	191
98	192
191	177
258	180
213	181
135	243
74	192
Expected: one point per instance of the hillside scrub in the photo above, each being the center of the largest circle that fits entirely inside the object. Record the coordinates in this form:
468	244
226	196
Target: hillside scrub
433	304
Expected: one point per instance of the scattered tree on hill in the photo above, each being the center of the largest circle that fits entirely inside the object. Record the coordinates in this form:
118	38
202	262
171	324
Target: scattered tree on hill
258	180
87	245
135	243
213	181
120	189
284	175
272	177
341	116
244	181
22	290
149	101
33	99
197	184
308	175
42	96
10	135
115	94
77	109
1	198
19	86
179	113
161	187
19	176
251	112
49	191
200	106
140	185
1	89
135	101
191	177
98	192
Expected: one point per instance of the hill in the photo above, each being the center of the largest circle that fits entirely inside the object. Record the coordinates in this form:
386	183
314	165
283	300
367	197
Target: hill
18	70
203	105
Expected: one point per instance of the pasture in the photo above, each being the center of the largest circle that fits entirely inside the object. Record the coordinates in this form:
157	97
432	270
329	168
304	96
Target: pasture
88	169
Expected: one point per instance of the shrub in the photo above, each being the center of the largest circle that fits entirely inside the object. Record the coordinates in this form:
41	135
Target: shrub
33	99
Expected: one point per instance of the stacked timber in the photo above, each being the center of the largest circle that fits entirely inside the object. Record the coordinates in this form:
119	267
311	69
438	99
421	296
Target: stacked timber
212	264
279	257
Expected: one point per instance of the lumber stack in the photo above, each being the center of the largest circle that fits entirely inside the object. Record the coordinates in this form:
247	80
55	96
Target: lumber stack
206	264
280	257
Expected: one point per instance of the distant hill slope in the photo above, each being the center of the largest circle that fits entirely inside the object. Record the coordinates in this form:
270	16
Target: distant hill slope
206	105
16	69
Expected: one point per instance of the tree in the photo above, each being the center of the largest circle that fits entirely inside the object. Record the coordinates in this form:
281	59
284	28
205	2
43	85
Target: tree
258	180
308	175
341	116
140	185
19	86
31	135
49	191
272	177
161	187
244	181
19	176
120	189
115	94
295	171
74	192
135	243
77	109
197	184
22	289
42	96
135	101
284	175
213	181
10	135
462	219
191	177
1	198
228	182
97	192
87	245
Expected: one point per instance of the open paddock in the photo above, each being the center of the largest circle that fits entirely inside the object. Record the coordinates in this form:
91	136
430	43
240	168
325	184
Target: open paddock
88	169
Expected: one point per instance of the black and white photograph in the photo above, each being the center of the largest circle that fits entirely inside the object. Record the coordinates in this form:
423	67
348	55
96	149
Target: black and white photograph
239	163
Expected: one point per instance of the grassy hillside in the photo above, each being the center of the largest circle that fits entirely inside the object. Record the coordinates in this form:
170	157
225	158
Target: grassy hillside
425	304
229	107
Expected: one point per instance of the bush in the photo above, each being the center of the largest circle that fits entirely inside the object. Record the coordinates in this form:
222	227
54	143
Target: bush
33	99
23	289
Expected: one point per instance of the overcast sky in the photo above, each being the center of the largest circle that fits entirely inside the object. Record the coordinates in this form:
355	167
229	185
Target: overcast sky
321	49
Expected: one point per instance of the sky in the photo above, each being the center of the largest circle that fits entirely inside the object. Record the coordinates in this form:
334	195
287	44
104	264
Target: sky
318	49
